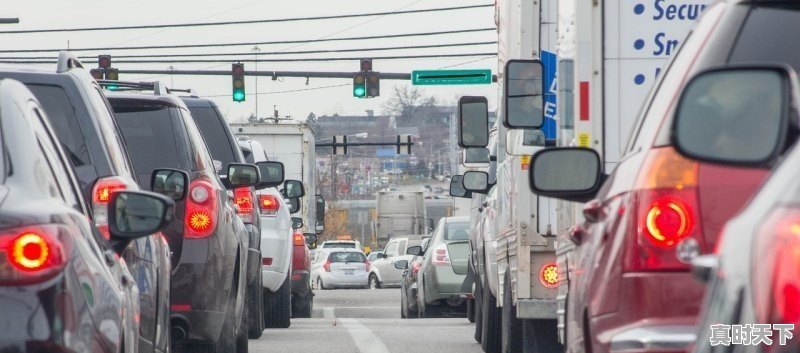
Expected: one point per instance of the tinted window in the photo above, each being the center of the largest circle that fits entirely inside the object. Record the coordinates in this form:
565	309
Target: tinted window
215	133
248	156
339	245
761	37
457	231
347	257
150	136
64	120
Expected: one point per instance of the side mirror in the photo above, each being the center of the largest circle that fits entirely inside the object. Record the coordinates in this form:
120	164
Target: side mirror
457	187
570	173
272	174
242	175
401	264
476	181
297	223
381	255
135	214
320	226
476	157
293	189
415	250
524	94
735	115
170	182
294	205
473	122
311	240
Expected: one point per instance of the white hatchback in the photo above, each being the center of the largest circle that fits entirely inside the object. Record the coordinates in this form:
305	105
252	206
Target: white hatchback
339	268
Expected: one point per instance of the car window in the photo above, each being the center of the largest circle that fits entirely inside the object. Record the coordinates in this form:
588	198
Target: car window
111	138
347	257
339	245
149	131
64	120
59	170
457	231
391	249
215	134
401	247
248	156
202	158
757	40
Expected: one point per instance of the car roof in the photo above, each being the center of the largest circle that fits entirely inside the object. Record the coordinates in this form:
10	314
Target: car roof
197	102
168	100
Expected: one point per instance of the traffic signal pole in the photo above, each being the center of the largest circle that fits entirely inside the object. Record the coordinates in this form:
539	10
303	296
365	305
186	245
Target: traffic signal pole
275	74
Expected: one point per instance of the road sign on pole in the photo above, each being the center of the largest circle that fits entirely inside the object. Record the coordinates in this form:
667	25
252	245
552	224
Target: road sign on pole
451	77
340	139
403	144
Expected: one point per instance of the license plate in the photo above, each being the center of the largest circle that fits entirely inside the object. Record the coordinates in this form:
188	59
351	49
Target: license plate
348	272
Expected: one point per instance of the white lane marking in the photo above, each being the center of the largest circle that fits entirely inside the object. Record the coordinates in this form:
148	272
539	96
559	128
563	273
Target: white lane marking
365	339
327	313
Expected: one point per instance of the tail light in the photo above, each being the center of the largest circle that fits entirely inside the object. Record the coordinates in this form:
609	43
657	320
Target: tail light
34	253
299	239
666	212
201	210
244	199
101	195
776	273
548	275
327	265
269	205
440	256
415	266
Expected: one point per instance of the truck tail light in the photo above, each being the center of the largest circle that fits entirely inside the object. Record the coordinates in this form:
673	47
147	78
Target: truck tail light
35	253
101	195
269	205
440	256
244	199
201	210
666	212
548	275
299	239
776	274
327	265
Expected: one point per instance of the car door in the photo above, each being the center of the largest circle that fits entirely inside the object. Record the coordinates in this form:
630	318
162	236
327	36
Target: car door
385	266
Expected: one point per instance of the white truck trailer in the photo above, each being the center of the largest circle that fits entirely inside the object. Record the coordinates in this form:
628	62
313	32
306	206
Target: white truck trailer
399	213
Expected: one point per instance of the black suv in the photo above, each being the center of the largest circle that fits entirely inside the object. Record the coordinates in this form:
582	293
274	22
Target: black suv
225	150
208	281
82	120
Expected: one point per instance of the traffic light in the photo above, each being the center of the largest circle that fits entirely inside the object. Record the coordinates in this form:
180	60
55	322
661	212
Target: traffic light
373	84
112	74
366	64
359	85
104	61
238	82
97	74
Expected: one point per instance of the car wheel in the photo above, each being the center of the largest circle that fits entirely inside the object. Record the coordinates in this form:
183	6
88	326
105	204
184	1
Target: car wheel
403	306
374	283
302	306
226	342
255	309
478	312
540	336
511	329
279	306
471	310
320	285
490	322
241	335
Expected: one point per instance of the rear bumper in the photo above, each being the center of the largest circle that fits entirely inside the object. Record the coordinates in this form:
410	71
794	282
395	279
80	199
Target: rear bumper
446	284
272	280
330	280
537	308
301	283
663	338
204	326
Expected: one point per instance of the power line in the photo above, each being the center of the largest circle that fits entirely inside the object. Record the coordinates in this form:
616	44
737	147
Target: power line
262	53
223	23
403	35
189	61
277	92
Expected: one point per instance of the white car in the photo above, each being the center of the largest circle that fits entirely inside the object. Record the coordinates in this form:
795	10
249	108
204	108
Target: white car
276	246
340	268
382	272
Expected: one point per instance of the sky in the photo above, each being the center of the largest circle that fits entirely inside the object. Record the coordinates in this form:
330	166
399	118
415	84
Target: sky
298	104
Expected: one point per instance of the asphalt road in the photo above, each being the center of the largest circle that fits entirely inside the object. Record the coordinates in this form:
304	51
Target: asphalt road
367	321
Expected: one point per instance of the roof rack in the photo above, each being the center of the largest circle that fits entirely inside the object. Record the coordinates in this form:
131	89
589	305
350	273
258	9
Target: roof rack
157	87
192	93
67	61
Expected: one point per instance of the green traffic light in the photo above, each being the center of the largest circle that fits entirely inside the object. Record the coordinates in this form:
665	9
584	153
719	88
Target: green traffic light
359	91
112	87
238	95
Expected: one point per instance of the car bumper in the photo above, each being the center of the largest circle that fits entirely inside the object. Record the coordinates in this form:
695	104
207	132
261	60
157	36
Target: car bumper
330	280
275	245
446	284
657	338
301	283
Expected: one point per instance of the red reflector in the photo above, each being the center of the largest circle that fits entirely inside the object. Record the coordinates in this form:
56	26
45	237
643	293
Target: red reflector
266	261
584	97
297	276
180	307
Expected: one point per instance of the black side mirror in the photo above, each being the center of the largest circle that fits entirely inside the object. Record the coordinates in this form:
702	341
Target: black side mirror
568	173
272	174
476	181
401	264
135	214
294	205
473	122
457	187
381	255
242	175
297	223
170	182
293	189
524	94
415	250
320	226
311	240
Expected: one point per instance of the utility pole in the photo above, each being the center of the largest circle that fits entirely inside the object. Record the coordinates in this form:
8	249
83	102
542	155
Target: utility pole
256	50
171	78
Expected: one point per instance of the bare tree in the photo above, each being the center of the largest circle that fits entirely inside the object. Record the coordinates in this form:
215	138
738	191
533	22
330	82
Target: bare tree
406	100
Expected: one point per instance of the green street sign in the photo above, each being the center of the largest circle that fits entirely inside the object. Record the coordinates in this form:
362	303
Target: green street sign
451	77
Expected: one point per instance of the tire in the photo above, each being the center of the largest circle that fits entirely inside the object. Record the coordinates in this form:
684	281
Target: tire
242	344
374	283
320	285
490	323
226	342
278	306
303	306
471	310
511	331
405	309
478	312
255	309
540	336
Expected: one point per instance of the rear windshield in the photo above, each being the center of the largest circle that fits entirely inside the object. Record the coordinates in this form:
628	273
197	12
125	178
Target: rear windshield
62	116
339	245
758	40
215	134
457	231
347	257
150	135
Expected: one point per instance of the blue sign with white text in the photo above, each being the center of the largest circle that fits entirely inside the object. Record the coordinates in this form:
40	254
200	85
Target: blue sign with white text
550	63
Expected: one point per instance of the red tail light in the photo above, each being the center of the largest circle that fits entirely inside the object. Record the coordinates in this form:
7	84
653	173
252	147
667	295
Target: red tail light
101	195
244	199
299	239
776	272
666	212
440	256
415	266
548	275
327	265
201	210
269	205
34	253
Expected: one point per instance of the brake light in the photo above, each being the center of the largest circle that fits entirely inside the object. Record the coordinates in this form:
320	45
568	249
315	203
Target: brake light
269	205
299	239
244	199
266	261
35	253
201	210
776	274
327	265
101	195
666	213
548	275
415	267
440	256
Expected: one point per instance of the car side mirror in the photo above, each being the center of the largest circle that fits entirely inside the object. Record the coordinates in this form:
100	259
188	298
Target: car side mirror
415	250
381	256
242	175
457	187
170	182
476	157
320	226
311	240
297	223
271	174
294	205
293	189
476	181
473	122
401	264
714	120
568	173
136	214
523	82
